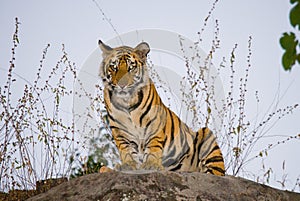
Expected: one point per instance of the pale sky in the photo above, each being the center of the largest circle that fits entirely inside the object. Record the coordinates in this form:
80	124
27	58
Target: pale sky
79	25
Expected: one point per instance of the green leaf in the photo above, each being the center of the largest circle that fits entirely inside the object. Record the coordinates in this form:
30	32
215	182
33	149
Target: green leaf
295	15
288	41
288	60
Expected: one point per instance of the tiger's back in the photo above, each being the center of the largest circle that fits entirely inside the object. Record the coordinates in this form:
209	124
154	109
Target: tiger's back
148	134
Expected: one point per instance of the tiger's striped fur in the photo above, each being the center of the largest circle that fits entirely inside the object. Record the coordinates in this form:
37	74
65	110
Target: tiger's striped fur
148	134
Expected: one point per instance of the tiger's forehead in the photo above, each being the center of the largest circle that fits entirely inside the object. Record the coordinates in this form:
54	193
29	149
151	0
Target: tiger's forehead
123	52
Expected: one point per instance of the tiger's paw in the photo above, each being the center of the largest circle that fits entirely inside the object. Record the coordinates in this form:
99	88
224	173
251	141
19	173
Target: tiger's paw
105	169
126	167
152	166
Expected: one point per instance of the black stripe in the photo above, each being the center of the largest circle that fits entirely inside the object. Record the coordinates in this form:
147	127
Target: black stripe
110	117
147	109
173	159
153	138
115	120
214	159
221	170
157	128
194	151
179	163
165	138
150	92
199	148
116	105
157	146
135	145
109	94
178	167
172	127
208	151
123	141
136	105
183	132
121	129
215	148
170	160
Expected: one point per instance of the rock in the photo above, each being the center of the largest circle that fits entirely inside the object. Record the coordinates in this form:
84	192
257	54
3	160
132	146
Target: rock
162	186
44	185
41	187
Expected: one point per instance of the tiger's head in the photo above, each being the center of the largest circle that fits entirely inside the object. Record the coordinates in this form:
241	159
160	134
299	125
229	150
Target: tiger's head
123	69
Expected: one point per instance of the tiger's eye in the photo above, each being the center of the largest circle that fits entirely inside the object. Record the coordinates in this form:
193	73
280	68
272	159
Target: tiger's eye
131	65
114	66
131	68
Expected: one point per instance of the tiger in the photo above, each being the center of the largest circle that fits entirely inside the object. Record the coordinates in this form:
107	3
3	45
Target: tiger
149	135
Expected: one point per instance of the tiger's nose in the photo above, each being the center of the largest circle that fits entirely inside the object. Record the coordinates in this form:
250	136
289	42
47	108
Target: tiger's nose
122	82
122	85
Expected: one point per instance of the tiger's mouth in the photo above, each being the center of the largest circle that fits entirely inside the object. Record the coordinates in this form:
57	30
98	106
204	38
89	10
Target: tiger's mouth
123	91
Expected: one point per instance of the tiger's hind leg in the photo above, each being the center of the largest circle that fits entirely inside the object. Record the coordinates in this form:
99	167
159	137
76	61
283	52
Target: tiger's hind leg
210	156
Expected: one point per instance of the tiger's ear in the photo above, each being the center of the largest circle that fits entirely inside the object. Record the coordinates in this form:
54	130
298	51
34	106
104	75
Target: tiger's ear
142	50
104	48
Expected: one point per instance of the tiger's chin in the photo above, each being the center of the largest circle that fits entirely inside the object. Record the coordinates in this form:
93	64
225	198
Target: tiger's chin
124	94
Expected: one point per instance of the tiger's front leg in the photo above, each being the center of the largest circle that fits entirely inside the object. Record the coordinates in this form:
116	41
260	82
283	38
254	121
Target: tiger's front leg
153	161
126	151
153	153
128	163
